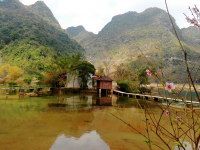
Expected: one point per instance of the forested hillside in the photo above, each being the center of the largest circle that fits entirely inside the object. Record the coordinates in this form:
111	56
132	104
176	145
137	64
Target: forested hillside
44	12
130	36
30	36
82	36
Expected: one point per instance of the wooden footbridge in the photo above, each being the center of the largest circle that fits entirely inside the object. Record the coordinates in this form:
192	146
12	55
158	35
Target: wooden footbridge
150	97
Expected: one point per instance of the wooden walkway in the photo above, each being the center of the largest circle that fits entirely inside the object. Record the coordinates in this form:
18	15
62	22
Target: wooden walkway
150	97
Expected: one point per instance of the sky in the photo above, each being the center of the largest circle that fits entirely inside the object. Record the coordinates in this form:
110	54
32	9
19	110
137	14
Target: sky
95	14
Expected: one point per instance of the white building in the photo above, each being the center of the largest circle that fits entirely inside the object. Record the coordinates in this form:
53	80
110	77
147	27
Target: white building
76	84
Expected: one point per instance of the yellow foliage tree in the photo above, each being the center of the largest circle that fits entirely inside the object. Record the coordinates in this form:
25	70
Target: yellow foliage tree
14	72
4	70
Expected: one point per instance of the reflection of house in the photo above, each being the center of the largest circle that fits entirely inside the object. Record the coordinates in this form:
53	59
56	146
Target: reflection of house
104	84
104	101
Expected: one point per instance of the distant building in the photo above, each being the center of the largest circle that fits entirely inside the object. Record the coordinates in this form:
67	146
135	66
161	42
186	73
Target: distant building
76	84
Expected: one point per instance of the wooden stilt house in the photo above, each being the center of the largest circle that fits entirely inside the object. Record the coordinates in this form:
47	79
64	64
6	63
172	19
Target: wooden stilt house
104	84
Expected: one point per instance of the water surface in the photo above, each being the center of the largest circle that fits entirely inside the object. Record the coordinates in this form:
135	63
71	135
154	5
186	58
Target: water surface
72	121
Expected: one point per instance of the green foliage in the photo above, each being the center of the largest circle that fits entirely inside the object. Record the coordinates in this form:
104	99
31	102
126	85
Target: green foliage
85	69
144	90
142	75
39	77
134	87
43	11
73	66
29	38
124	86
28	80
12	84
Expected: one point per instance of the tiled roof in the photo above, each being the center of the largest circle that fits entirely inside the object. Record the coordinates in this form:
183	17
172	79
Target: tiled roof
104	78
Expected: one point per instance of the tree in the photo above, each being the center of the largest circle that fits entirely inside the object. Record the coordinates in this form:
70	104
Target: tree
106	62
73	63
85	69
28	80
14	72
142	75
100	71
4	70
71	66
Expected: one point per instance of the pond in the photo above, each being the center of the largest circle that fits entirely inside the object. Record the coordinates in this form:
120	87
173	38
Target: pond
185	94
72	122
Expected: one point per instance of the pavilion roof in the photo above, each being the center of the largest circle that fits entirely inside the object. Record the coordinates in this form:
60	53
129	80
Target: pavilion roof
104	78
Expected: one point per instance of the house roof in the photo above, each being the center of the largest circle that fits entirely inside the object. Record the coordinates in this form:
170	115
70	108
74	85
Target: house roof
104	78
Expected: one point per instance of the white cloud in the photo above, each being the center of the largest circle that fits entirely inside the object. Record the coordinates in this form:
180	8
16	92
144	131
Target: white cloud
95	14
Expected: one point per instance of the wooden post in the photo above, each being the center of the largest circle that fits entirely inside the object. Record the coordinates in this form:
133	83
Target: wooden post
60	86
7	92
21	91
99	91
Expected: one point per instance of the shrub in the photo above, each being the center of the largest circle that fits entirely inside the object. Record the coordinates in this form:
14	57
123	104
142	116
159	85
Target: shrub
143	90
124	86
28	80
12	84
134	87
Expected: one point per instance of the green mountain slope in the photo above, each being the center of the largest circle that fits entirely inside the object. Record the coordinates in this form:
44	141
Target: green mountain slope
44	12
74	31
82	36
28	39
149	33
191	36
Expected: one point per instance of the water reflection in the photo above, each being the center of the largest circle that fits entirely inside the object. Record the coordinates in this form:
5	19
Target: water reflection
88	141
76	103
104	101
53	121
